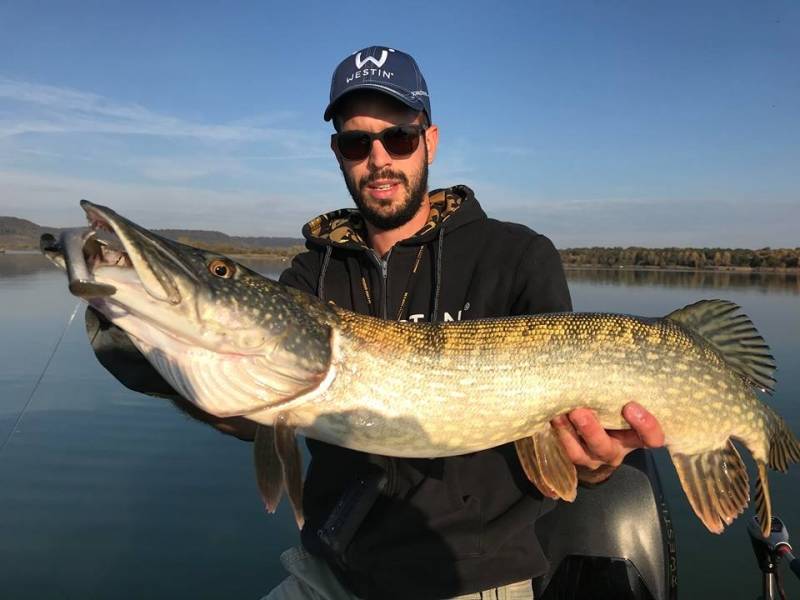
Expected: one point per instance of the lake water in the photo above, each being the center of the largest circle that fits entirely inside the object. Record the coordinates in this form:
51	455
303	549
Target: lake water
108	493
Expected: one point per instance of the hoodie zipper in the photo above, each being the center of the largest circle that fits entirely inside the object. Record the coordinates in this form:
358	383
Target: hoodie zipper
383	265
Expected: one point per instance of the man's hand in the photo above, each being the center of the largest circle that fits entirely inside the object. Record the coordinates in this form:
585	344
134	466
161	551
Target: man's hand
239	427
597	452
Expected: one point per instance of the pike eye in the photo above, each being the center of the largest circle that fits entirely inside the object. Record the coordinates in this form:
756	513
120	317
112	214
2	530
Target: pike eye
221	268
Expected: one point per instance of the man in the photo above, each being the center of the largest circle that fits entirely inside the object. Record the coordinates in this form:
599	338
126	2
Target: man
379	527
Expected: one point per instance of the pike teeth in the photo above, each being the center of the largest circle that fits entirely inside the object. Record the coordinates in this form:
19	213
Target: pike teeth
98	224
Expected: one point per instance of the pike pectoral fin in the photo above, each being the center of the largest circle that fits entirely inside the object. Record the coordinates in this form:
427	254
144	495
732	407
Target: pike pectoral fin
291	464
763	503
269	472
546	464
526	453
715	483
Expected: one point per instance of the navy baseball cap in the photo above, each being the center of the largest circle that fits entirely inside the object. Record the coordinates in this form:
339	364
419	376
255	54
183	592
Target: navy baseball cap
382	69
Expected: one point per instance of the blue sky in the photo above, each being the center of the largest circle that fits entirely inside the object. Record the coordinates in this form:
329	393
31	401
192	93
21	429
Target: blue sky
596	123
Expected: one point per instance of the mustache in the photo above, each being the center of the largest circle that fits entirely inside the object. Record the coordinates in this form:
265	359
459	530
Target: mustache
383	174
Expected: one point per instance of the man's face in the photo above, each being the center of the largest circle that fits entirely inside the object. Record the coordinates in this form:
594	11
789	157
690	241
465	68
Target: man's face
387	189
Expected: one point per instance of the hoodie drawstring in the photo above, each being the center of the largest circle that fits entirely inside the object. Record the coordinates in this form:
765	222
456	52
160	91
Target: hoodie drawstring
325	262
438	288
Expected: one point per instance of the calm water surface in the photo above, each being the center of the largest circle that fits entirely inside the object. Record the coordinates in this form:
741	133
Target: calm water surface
107	493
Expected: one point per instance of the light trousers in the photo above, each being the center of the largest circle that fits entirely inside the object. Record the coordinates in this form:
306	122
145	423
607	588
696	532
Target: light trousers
310	578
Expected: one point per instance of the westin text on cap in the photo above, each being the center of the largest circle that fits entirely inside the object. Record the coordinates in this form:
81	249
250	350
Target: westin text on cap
382	69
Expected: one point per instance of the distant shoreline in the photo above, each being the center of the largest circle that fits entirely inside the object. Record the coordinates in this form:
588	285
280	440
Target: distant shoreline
281	256
672	268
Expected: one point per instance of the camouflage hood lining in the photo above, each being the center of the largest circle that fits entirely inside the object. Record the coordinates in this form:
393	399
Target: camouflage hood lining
345	227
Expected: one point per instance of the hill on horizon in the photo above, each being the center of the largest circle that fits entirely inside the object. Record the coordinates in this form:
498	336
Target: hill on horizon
22	234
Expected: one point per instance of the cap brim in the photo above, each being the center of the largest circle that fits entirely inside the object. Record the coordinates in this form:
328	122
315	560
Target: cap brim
412	103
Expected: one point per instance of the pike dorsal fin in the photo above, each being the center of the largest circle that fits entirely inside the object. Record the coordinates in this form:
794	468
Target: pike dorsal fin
733	336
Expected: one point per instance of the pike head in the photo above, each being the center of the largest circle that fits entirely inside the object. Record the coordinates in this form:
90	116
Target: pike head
225	337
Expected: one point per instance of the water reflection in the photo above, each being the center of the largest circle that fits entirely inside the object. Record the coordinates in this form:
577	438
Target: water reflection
14	264
98	478
773	282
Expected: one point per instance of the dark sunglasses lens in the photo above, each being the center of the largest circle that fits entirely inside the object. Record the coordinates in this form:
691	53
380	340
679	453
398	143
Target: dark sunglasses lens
354	145
401	140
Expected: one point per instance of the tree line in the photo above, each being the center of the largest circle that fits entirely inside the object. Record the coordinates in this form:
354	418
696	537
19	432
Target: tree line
693	258
689	258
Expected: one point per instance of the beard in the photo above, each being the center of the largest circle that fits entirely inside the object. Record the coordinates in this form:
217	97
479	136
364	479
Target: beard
383	215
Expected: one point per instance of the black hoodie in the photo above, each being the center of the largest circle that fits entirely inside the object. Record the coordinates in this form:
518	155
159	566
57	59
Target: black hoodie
441	527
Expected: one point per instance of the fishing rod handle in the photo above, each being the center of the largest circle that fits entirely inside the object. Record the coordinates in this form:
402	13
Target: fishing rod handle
784	550
794	565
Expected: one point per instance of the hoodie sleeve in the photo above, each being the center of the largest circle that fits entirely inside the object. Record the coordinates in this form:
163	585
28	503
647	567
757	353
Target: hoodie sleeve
540	285
303	274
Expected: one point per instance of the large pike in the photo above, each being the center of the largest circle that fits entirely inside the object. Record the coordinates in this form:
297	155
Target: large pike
236	343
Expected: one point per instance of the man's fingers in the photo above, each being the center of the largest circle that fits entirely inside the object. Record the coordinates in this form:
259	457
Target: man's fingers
571	442
627	438
588	444
644	424
601	447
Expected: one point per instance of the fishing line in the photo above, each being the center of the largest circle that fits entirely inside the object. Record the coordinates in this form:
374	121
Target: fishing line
41	377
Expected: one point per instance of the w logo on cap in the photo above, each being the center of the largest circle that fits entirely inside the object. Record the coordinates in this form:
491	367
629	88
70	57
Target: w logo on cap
399	78
378	62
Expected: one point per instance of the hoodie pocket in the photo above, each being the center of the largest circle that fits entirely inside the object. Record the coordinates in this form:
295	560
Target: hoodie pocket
451	517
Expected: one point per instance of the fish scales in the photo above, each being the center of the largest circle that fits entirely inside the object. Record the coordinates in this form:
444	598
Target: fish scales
469	384
236	343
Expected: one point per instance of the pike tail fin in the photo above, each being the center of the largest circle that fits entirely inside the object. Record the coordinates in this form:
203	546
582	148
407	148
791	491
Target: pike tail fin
716	482
784	449
733	336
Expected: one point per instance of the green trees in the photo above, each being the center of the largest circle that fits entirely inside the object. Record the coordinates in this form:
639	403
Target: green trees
691	258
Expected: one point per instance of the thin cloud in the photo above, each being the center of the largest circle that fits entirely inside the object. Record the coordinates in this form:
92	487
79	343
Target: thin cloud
53	200
68	133
54	109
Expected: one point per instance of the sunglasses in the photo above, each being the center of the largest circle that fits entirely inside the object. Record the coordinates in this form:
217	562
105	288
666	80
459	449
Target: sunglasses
399	141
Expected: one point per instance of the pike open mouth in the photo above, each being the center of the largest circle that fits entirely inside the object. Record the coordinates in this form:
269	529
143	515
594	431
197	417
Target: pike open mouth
85	252
117	252
102	247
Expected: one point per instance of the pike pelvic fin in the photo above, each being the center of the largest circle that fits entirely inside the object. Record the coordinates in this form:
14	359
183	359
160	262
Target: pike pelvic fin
715	483
291	464
733	336
543	459
279	466
269	472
